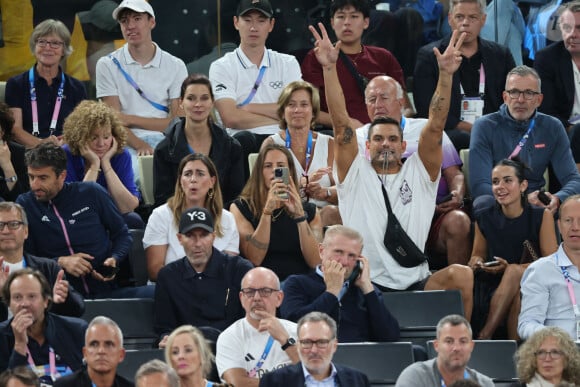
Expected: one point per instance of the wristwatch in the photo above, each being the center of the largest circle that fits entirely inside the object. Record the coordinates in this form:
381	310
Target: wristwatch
12	179
290	342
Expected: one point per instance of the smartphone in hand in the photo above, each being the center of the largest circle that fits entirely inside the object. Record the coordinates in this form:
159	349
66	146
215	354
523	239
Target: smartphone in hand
282	174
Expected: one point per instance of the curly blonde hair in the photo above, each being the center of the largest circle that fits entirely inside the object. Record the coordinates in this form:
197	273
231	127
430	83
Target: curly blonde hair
85	118
526	355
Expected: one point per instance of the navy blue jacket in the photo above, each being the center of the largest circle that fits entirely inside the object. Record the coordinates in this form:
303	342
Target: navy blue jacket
293	375
81	378
211	298
66	335
359	317
93	223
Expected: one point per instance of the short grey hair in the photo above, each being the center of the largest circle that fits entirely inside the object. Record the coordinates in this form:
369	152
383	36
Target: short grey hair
453	320
318	317
49	27
157	366
339	229
482	4
524	71
11	206
102	320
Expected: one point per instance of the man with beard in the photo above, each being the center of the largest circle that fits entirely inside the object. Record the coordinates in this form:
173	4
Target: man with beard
49	343
103	351
260	342
454	345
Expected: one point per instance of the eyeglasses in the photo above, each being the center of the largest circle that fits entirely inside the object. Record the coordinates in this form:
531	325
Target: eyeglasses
320	344
12	225
543	354
528	94
264	292
567	28
51	43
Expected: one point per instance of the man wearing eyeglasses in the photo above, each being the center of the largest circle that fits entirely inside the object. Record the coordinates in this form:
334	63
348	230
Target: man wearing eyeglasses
517	129
478	81
260	342
558	65
13	232
317	343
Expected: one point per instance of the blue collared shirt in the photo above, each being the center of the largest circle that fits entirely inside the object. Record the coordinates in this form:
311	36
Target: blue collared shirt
309	380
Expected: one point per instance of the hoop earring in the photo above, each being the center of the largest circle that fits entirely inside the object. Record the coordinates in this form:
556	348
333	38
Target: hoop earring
210	193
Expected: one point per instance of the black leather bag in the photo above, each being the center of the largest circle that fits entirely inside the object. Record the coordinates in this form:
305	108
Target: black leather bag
398	243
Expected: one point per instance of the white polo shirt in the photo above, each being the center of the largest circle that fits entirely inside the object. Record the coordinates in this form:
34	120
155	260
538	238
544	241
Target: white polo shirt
159	79
234	75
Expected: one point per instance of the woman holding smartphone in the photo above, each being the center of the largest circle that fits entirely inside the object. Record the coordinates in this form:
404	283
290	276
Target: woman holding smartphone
508	236
312	152
277	230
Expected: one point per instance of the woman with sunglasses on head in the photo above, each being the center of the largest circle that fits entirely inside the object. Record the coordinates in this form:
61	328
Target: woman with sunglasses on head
508	236
43	96
189	354
312	152
277	230
197	185
547	358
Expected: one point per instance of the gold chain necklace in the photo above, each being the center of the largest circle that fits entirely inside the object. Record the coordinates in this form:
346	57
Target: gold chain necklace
277	215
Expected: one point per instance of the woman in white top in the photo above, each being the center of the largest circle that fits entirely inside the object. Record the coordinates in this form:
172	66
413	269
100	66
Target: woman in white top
298	108
197	186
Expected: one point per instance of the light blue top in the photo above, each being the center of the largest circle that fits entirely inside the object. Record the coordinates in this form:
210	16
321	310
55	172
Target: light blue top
545	297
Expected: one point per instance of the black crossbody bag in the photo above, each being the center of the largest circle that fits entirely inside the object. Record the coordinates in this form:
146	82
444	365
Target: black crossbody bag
398	243
360	79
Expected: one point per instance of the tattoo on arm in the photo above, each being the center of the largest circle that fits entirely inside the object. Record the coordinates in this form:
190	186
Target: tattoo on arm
347	135
436	102
257	244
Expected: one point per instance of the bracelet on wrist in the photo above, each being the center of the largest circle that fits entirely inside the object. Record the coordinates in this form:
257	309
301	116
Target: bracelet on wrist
266	213
300	219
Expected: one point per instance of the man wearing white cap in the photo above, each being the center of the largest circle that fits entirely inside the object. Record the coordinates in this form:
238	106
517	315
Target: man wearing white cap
248	81
140	80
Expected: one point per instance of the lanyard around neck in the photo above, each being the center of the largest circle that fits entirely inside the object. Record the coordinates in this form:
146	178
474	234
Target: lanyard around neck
34	103
252	373
67	239
566	275
465	376
481	83
254	90
308	147
139	91
51	361
523	140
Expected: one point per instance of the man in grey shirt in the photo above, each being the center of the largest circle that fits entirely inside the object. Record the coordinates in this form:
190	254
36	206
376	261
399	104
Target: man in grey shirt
454	345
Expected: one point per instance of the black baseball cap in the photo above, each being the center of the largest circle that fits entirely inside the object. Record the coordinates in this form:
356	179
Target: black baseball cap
262	6
195	217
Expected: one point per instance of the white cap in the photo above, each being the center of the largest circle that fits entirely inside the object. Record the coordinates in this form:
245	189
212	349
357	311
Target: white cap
135	5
